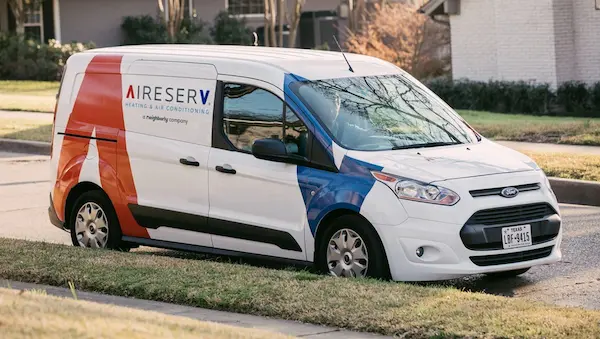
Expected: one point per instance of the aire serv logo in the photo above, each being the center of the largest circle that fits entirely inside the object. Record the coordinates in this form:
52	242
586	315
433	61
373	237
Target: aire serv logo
169	99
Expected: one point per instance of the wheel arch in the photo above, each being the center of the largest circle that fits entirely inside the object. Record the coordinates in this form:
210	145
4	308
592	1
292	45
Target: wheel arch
76	192
328	219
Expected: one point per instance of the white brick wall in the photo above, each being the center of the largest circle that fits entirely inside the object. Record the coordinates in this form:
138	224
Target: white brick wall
587	40
547	41
525	40
473	35
564	41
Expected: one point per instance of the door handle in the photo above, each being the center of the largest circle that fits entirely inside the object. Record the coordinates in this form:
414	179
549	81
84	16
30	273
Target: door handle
226	169
189	161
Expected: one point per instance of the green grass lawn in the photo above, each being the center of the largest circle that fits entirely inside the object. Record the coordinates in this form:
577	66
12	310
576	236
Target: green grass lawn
546	129
34	96
25	129
409	310
34	314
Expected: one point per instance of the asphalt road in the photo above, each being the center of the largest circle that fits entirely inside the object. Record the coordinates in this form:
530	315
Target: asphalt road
24	185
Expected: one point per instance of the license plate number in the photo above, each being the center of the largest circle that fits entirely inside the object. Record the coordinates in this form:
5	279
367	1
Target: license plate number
516	236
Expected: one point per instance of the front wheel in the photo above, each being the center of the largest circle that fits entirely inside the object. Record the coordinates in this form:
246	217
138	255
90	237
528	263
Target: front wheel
351	248
93	222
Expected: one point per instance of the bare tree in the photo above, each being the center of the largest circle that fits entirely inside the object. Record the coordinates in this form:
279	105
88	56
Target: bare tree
276	15
397	33
173	14
267	23
19	10
294	20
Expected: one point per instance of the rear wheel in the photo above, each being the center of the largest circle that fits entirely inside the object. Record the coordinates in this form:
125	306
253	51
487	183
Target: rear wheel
351	248
93	222
508	274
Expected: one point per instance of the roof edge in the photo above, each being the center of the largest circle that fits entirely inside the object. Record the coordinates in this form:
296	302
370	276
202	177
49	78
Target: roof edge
432	7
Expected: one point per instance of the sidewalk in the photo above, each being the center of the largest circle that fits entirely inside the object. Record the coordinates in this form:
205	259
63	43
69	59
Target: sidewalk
235	319
27	115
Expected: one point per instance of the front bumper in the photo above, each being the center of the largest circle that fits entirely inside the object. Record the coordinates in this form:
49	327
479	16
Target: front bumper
465	239
446	257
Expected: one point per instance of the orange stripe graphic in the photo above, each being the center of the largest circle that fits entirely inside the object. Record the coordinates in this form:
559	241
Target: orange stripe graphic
99	106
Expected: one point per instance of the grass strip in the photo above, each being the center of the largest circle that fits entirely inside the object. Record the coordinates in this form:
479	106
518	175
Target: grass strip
27	87
33	314
529	128
365	305
33	96
26	129
568	165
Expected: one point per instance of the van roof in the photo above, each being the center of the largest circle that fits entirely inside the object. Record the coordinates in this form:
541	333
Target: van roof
307	63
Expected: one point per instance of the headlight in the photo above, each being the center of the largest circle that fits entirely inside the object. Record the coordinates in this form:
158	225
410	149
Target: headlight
417	191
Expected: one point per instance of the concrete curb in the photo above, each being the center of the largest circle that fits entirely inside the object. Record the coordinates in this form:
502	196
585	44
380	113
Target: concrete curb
579	192
26	147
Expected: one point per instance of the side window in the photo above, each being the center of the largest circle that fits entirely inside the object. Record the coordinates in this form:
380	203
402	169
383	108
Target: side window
251	113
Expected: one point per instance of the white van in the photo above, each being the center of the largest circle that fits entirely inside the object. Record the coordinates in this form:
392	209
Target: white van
299	155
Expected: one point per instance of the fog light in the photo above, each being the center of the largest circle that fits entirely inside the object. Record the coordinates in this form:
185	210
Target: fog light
420	252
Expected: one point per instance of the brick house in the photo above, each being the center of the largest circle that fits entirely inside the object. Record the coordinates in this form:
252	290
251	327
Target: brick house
548	41
100	20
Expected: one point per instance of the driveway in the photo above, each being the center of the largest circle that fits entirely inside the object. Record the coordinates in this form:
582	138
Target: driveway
575	281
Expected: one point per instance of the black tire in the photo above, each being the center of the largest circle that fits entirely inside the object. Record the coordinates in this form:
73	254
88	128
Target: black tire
114	228
377	267
508	274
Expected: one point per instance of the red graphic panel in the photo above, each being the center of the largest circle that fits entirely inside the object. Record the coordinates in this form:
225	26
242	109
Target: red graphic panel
99	105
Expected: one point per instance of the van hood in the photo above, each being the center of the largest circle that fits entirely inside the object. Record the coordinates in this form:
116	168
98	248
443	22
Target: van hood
448	162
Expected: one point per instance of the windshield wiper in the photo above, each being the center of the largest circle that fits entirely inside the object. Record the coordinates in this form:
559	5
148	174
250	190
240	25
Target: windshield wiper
430	144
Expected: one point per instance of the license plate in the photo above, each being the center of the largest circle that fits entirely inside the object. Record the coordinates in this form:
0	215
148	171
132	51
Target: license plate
516	236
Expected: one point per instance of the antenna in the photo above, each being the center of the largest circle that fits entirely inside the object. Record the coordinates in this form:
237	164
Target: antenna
338	44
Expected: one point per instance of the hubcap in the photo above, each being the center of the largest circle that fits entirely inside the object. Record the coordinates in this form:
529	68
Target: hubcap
347	254
91	226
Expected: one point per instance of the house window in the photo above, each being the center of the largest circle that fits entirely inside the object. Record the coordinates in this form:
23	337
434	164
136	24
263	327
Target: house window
34	20
246	7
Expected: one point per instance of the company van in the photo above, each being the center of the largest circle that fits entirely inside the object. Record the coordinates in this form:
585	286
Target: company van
341	161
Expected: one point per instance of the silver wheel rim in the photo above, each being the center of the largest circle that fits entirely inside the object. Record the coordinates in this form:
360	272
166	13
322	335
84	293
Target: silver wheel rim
347	254
91	226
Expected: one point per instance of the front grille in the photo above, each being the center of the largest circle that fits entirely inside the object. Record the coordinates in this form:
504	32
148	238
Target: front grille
497	190
511	258
511	214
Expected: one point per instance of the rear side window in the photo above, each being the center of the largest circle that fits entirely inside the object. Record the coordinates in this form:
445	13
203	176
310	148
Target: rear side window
251	113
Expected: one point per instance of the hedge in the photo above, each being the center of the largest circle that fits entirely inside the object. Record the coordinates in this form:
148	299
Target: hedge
569	99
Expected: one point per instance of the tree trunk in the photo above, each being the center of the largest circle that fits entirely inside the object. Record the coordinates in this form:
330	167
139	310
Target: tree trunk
18	10
294	21
272	22
173	16
281	14
267	29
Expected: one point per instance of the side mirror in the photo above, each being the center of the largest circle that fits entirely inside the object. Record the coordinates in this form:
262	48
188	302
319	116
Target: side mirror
269	149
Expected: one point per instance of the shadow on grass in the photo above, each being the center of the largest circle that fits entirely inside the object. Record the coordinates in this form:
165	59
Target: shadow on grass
256	262
476	283
40	133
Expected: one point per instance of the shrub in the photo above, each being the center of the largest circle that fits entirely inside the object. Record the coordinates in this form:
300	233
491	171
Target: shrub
574	97
25	59
144	29
230	30
570	99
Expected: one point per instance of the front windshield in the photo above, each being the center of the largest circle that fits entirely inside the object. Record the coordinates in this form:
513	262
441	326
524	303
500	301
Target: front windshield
382	113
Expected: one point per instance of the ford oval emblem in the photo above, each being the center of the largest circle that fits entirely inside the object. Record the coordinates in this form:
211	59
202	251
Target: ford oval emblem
509	192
